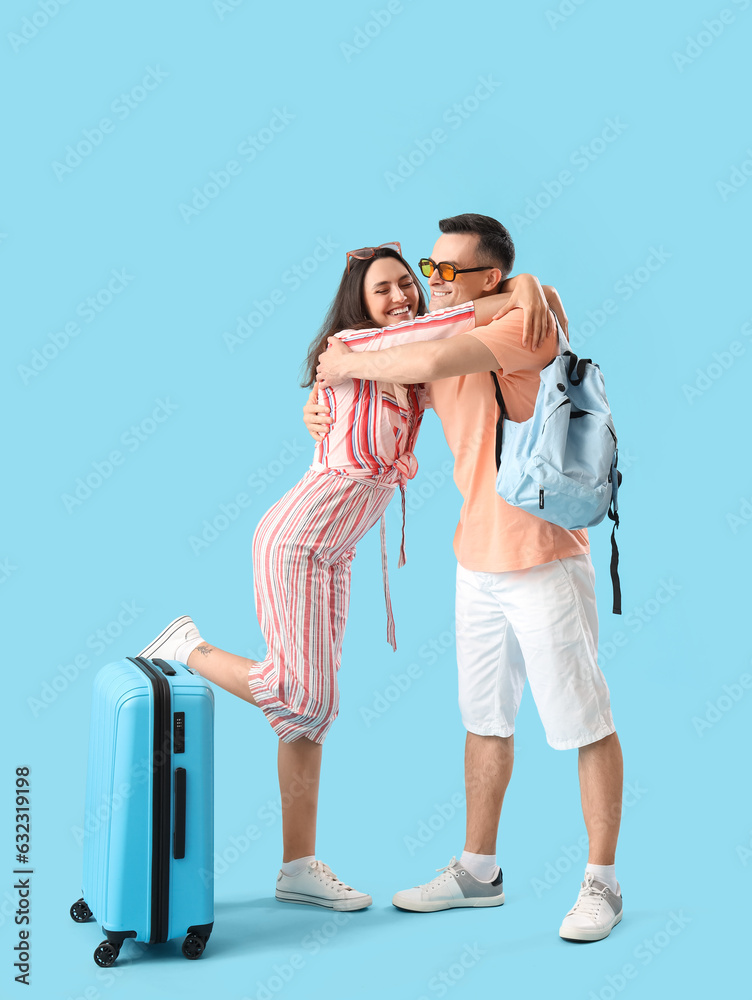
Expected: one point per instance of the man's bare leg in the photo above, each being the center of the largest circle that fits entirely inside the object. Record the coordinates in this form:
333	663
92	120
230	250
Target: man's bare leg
601	773
488	768
226	670
598	908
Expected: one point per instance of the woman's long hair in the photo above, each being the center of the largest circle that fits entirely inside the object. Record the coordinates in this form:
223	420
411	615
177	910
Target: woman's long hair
348	310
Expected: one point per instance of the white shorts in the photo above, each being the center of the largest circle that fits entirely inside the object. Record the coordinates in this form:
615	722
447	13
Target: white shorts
541	623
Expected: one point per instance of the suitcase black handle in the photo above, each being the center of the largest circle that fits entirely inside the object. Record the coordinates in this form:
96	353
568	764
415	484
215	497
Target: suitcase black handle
178	847
165	667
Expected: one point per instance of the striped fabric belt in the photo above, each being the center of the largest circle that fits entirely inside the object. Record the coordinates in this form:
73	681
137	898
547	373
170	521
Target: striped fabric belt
397	475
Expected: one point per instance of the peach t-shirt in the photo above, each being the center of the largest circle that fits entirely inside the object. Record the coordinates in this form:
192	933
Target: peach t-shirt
492	536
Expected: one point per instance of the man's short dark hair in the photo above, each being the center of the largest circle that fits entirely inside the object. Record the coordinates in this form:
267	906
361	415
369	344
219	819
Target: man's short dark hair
495	245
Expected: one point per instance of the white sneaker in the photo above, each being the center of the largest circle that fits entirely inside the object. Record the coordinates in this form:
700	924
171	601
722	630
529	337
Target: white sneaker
454	887
595	913
169	641
318	885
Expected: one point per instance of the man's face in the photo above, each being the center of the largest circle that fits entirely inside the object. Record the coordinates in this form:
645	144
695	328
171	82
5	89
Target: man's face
459	249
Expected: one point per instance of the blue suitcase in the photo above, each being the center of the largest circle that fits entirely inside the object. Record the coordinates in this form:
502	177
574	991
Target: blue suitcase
149	826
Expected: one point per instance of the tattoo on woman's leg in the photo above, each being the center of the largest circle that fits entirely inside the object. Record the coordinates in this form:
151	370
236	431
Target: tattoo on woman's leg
205	649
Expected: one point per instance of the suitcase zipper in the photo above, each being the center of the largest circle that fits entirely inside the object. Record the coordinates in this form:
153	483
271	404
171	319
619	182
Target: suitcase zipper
162	771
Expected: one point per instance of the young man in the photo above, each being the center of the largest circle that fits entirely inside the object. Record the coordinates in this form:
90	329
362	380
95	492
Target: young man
525	598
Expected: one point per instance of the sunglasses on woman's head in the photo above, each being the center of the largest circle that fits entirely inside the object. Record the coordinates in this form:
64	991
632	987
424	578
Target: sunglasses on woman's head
447	271
365	253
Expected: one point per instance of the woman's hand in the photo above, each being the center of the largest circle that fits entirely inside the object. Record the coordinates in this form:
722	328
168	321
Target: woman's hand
331	368
316	416
528	295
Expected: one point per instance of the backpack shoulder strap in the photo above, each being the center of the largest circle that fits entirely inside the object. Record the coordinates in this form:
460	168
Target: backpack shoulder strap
500	421
613	513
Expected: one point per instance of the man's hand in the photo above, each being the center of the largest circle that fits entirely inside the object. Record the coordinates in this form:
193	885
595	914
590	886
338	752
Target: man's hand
316	416
330	369
538	321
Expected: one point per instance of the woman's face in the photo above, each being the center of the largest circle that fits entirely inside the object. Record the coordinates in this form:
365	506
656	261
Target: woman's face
389	292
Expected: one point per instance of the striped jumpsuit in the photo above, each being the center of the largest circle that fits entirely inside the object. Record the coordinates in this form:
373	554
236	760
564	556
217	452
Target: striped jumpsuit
304	545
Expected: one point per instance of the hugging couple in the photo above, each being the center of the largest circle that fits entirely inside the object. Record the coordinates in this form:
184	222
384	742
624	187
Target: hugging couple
525	602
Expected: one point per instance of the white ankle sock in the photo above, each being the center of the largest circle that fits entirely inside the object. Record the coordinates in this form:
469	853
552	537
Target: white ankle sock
605	873
481	866
298	865
185	649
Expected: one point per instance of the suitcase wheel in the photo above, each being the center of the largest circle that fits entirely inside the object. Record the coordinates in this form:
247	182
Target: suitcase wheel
106	954
80	911
193	946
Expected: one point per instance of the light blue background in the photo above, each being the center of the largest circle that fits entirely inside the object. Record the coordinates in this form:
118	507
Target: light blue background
351	114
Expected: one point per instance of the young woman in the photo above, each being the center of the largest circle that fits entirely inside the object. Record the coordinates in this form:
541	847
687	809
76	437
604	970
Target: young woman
304	545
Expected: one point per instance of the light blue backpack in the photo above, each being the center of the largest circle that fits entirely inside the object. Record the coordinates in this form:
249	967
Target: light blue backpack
560	465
